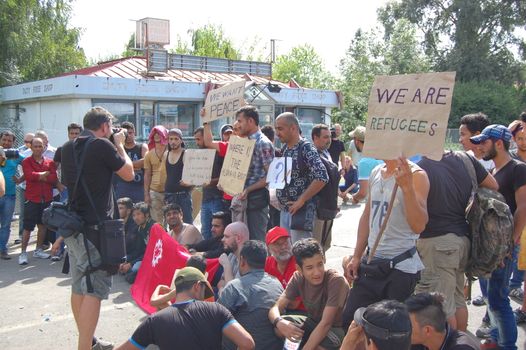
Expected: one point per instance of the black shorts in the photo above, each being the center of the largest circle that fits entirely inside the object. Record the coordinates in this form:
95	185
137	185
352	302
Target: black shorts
33	214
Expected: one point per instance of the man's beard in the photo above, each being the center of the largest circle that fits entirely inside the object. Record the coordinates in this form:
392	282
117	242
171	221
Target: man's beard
283	256
492	153
231	249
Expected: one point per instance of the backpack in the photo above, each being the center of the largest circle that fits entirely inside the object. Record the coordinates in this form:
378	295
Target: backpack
327	198
491	227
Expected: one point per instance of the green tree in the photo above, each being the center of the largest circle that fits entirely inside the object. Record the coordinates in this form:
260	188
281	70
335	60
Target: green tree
474	38
37	41
501	103
210	41
129	47
303	65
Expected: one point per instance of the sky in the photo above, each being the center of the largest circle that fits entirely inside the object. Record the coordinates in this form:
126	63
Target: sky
328	26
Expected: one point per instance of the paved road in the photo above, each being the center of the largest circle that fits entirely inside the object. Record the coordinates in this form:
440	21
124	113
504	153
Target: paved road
35	299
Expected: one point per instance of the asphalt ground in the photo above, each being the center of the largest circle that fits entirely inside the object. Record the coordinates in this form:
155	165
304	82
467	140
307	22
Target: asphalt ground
35	309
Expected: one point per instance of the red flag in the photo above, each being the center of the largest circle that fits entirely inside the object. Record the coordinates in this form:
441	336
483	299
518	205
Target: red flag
162	257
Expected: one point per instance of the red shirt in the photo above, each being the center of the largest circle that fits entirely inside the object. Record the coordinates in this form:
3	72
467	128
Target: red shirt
39	191
271	267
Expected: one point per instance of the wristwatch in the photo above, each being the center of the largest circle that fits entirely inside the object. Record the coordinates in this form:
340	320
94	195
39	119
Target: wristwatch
276	320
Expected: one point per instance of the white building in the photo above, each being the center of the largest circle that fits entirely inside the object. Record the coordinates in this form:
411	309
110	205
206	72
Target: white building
147	93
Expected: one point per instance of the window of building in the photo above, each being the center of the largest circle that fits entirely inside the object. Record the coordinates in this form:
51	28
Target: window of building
123	111
177	115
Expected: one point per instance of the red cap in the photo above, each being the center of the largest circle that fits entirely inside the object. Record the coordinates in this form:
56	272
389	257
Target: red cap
276	233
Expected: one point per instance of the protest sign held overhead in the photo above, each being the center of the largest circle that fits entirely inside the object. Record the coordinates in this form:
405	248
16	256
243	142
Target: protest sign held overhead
225	101
198	164
236	164
408	115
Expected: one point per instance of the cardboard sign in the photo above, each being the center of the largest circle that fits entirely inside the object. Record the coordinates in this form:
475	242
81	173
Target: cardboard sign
198	164
408	115
276	172
236	164
225	101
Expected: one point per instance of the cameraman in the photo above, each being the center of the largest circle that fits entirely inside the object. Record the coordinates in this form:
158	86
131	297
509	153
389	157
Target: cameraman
102	159
9	162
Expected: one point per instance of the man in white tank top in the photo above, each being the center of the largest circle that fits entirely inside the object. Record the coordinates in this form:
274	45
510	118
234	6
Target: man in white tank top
394	268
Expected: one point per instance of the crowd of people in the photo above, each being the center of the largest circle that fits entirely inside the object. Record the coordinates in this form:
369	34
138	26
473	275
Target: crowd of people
402	288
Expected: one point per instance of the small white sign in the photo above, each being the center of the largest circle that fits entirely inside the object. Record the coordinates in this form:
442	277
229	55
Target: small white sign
276	172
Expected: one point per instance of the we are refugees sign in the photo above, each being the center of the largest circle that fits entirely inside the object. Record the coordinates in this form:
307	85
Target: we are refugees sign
408	115
224	101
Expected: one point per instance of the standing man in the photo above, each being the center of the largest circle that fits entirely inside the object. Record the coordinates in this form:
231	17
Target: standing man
472	125
494	143
308	176
175	190
102	160
212	197
155	172
255	191
41	177
321	138
136	151
337	148
74	131
444	244
250	297
19	190
8	167
356	144
398	245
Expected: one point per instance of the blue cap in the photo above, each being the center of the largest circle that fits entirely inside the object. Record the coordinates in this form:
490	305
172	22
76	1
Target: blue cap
493	131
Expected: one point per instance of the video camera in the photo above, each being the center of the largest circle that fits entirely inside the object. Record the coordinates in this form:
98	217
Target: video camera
9	153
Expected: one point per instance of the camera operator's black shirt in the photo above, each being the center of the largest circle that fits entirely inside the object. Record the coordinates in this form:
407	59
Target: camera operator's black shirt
101	161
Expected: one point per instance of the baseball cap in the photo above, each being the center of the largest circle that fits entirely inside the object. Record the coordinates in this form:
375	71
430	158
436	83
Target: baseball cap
358	133
493	131
226	128
360	317
276	233
191	274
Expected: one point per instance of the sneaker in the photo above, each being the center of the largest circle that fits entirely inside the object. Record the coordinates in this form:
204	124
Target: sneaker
57	257
520	316
18	241
478	301
4	256
484	331
102	345
517	293
39	253
45	246
22	259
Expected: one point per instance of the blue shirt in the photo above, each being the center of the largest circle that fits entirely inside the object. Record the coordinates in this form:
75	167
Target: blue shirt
261	158
9	170
366	166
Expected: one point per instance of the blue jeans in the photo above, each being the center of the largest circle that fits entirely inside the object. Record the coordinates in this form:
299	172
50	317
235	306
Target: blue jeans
517	276
7	207
184	200
295	235
504	327
208	208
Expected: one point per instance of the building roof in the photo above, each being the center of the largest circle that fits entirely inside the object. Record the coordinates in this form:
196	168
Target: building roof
135	68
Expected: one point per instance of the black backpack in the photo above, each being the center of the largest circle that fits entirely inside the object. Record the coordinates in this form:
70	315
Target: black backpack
327	198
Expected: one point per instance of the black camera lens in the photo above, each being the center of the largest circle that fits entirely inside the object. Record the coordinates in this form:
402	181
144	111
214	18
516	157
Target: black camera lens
11	153
116	130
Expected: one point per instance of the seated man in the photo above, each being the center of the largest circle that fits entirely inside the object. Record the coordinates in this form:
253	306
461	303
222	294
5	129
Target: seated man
190	323
281	263
213	246
250	297
182	232
430	327
136	241
235	235
163	295
324	293
125	206
381	326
